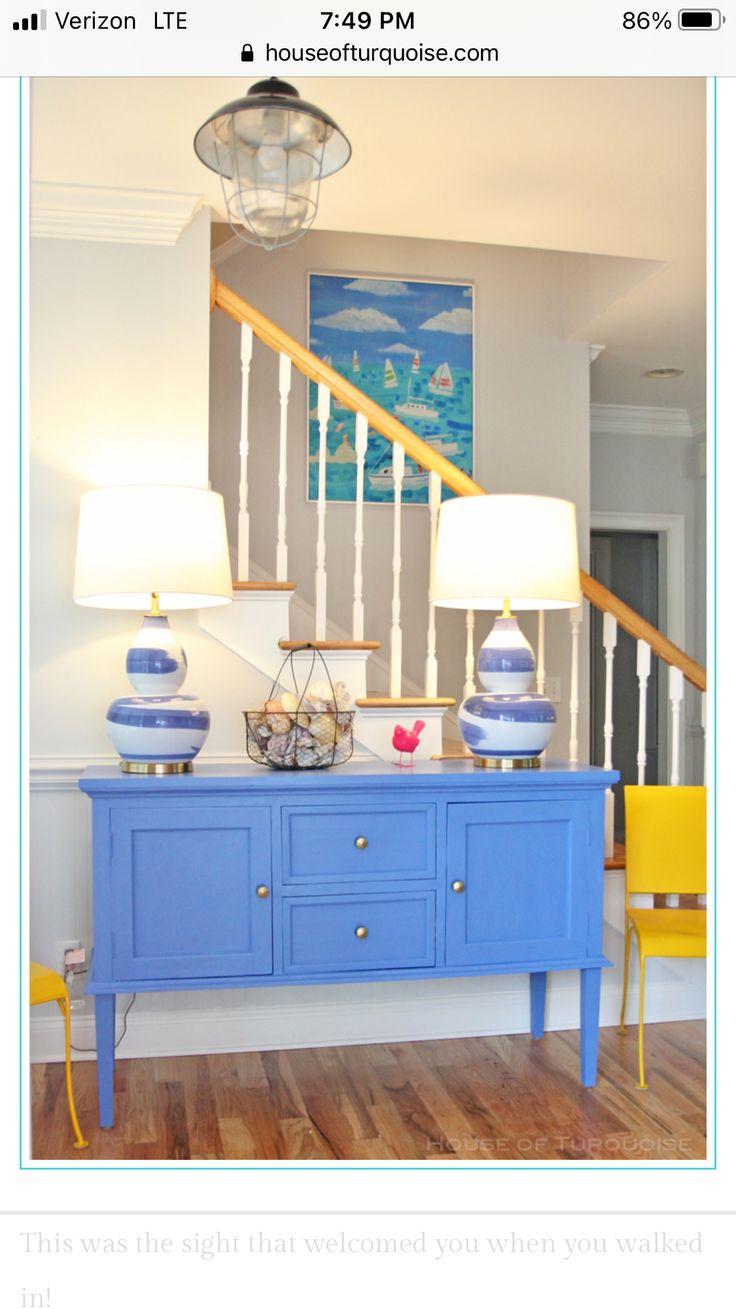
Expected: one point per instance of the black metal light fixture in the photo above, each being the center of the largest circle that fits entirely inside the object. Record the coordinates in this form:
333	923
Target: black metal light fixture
271	150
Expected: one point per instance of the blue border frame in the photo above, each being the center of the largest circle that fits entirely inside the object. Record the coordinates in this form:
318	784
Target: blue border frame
339	1167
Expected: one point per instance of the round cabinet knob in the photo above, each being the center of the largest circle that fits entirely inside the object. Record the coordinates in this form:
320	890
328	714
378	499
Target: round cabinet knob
458	886
262	892
361	933
361	842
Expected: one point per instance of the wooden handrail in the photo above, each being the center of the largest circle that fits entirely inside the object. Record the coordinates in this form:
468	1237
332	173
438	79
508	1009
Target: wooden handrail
318	371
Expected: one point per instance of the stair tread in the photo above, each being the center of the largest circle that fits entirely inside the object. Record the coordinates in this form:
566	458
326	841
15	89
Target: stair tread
330	645
405	702
264	586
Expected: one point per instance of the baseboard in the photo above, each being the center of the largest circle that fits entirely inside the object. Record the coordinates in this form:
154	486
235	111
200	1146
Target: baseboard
269	1020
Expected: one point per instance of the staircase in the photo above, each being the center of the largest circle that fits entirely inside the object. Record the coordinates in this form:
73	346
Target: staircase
257	625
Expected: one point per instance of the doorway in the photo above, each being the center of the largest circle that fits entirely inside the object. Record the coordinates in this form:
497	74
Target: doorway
629	564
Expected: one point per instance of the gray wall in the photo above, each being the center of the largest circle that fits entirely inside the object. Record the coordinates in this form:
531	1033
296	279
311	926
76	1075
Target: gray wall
661	475
531	426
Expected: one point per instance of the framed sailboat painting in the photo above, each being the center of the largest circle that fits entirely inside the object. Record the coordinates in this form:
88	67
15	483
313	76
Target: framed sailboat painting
408	345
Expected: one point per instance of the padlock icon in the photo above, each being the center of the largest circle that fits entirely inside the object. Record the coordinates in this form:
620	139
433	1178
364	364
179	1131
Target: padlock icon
246	54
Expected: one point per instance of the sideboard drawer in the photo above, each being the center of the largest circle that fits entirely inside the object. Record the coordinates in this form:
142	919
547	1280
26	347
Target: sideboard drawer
356	841
353	933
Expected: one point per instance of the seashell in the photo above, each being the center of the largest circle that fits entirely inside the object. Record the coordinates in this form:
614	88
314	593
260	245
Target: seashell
277	747
280	724
324	729
289	702
274	707
263	732
305	757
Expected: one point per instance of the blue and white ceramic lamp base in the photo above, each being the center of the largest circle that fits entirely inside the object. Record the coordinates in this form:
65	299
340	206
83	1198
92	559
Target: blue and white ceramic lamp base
510	726
157	731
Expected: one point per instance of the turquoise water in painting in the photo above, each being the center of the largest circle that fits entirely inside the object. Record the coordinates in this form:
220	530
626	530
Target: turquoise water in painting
453	427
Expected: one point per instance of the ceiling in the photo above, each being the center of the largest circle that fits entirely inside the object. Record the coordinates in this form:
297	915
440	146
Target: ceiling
612	166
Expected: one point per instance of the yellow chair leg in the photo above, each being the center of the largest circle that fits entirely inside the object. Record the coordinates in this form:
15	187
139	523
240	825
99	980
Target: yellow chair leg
627	951
642	962
79	1143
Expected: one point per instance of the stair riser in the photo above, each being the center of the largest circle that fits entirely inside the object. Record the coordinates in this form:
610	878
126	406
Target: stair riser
374	729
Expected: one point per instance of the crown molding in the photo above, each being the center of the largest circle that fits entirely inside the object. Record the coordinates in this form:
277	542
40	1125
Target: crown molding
106	213
698	421
639	420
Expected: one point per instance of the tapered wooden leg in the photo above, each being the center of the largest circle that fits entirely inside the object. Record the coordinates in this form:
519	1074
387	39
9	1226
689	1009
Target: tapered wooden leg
537	997
590	999
105	1030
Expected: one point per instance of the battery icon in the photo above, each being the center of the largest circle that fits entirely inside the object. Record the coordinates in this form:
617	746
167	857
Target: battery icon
699	20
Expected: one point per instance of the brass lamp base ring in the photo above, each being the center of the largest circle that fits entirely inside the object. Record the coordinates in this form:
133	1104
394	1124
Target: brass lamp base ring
158	770
484	761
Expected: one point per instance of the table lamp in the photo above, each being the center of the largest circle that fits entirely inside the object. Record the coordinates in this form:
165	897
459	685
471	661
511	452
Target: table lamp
506	552
154	548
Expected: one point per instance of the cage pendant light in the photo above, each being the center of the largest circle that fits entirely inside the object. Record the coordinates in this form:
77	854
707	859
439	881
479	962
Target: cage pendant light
271	150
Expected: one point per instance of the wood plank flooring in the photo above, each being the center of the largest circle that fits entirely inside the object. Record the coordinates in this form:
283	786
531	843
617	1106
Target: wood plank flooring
486	1098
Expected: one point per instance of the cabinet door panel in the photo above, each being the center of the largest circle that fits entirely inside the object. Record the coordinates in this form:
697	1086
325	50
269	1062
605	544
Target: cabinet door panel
524	869
183	892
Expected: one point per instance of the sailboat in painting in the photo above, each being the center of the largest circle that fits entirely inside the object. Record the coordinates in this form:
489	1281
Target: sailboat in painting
441	383
415	408
390	380
356	362
415	362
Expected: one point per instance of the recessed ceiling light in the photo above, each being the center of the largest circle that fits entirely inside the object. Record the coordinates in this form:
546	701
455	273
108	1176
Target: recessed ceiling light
664	374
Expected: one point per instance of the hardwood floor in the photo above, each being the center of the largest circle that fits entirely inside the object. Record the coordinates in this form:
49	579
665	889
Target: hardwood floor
485	1098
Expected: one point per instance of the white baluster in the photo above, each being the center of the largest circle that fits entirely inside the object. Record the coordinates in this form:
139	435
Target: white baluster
398	472
610	633
469	687
361	445
284	388
430	667
397	465
320	581
246	352
541	670
643	668
676	691
576	618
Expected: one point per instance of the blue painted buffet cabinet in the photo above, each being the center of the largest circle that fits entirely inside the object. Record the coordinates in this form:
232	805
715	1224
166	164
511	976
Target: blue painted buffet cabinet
240	877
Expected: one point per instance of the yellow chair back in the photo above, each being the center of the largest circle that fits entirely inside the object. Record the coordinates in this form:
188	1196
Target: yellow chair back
665	839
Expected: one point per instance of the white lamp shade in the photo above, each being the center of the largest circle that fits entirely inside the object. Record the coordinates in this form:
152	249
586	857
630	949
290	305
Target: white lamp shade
134	540
496	547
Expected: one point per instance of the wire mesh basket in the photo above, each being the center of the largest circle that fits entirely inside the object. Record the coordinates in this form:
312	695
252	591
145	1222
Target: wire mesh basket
307	735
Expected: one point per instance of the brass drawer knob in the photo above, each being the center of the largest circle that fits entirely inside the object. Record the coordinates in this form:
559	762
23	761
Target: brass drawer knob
458	886
262	892
361	933
361	842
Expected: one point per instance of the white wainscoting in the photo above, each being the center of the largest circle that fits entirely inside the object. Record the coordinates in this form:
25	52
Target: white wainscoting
288	1017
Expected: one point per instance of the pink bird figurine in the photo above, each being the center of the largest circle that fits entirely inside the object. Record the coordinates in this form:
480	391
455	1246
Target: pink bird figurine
406	742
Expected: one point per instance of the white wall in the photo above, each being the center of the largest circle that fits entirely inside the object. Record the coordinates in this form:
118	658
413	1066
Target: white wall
119	393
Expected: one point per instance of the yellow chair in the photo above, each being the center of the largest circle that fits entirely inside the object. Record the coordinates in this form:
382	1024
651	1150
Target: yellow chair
665	854
47	985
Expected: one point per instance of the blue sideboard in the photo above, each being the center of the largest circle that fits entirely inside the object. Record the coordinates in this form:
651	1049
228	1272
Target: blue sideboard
240	877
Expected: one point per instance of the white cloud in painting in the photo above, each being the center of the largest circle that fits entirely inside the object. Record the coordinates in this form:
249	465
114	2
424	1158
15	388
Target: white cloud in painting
459	322
360	320
378	286
468	293
398	349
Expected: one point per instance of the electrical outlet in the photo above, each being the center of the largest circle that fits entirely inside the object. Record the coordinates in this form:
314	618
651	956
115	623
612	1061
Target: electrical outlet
553	689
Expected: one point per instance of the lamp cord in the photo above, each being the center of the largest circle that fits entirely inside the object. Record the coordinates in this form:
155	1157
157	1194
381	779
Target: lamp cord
92	1049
